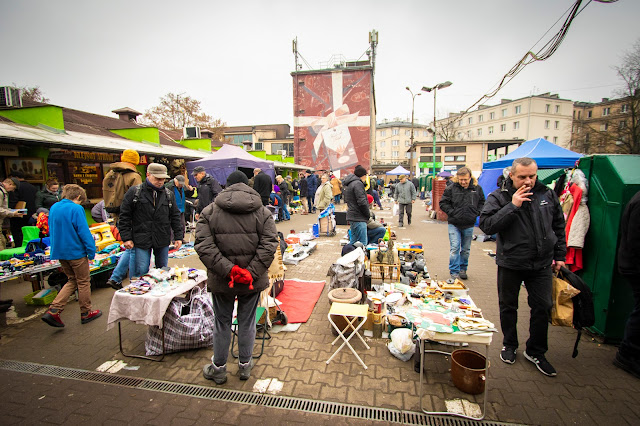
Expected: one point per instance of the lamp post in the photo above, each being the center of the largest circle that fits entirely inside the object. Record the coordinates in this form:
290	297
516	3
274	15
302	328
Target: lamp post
435	89
413	101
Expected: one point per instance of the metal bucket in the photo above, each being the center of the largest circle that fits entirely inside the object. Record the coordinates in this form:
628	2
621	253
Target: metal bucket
468	371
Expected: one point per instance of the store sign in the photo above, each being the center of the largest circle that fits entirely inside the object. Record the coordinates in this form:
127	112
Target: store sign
143	160
8	150
85	173
429	165
84	156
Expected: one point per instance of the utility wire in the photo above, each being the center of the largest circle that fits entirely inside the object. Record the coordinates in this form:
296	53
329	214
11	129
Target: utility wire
544	53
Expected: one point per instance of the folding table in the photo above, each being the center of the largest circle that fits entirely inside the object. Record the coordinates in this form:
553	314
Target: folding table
457	337
351	313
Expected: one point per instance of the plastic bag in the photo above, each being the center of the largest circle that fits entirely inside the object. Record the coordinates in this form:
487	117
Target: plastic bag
396	209
401	345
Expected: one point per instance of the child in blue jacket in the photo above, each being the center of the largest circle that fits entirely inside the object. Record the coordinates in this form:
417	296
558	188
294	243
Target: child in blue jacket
73	244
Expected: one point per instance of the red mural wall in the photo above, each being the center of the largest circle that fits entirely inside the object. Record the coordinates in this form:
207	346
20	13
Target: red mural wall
332	112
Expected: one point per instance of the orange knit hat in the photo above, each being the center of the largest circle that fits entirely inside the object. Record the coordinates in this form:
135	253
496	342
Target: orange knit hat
130	156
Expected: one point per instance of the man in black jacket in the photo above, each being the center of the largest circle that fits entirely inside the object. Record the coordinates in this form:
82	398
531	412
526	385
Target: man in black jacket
529	222
208	188
304	193
628	355
148	214
262	184
462	202
357	204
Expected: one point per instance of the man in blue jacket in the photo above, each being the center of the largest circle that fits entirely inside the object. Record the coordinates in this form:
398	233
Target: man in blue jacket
73	244
312	185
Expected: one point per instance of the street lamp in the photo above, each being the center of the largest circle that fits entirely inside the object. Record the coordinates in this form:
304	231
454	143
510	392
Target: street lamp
413	101
434	89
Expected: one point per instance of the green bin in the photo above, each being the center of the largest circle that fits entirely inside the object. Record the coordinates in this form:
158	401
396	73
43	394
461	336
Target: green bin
613	180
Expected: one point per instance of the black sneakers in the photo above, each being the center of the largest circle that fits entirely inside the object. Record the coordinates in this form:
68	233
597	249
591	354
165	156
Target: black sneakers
542	364
463	275
114	284
508	355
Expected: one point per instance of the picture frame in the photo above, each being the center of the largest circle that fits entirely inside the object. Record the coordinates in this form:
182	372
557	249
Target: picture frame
32	168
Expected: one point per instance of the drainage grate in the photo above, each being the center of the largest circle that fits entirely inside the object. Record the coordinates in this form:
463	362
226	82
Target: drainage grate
242	397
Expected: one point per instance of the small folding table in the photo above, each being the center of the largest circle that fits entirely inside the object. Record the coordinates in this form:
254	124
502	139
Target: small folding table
351	313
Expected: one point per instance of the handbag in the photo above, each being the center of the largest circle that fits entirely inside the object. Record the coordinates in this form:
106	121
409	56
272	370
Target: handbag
562	309
188	324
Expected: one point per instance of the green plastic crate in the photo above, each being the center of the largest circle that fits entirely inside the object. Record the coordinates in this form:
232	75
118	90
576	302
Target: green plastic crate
30	300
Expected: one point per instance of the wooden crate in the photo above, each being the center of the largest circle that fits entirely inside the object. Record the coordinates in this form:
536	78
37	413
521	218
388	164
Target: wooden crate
391	272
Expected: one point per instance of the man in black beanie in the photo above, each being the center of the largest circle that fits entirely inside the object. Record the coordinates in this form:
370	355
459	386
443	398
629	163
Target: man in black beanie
236	239
357	204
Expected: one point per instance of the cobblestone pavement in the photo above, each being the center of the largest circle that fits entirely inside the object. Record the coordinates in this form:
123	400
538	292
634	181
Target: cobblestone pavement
587	390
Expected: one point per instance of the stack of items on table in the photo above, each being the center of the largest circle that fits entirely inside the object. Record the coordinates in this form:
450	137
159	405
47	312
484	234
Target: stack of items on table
299	247
24	264
429	307
397	262
185	250
158	282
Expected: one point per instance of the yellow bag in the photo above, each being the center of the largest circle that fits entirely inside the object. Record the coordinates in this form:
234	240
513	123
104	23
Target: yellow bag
562	310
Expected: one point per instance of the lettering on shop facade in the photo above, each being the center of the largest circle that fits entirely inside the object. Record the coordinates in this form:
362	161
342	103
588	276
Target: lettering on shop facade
84	155
85	173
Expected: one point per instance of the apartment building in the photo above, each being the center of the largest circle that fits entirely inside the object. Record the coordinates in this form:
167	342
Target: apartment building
274	139
546	116
393	142
605	127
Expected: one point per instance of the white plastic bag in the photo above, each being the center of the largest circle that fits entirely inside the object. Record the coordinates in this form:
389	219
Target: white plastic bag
401	345
396	209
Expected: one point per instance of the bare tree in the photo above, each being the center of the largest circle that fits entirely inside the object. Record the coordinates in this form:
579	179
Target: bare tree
176	111
627	131
33	94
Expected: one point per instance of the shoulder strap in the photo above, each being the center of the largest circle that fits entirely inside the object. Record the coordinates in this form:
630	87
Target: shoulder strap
167	191
136	196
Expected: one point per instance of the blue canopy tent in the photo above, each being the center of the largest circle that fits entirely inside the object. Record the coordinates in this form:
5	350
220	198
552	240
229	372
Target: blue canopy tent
228	159
547	154
399	171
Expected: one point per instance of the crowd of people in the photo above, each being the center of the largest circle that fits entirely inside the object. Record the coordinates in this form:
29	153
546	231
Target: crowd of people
236	239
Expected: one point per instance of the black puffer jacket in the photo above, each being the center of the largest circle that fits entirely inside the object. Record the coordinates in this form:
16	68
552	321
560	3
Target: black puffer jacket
208	190
356	198
462	205
629	250
262	184
529	237
236	230
146	223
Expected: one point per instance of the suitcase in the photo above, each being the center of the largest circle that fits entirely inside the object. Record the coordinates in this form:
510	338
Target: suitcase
341	218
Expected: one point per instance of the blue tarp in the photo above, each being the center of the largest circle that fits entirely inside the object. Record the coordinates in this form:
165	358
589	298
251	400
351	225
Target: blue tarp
228	159
548	156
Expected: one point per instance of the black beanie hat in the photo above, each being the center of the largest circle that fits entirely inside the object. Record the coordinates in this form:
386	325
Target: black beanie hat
237	177
360	171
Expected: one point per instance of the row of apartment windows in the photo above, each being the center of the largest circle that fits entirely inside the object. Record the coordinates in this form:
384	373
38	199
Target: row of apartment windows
504	112
605	111
394	154
396	132
395	142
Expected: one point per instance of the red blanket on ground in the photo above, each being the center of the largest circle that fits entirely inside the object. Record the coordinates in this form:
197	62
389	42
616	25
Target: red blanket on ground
298	299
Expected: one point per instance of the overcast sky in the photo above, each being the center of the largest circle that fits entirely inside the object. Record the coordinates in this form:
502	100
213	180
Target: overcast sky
236	56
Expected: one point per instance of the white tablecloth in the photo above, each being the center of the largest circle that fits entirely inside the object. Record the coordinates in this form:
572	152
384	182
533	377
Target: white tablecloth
145	308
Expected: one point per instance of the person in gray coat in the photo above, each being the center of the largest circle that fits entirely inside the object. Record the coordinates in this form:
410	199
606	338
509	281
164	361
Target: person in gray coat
236	239
405	196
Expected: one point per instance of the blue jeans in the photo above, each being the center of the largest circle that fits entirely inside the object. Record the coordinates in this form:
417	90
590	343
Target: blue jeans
373	235
125	264
285	212
336	199
143	259
460	243
358	232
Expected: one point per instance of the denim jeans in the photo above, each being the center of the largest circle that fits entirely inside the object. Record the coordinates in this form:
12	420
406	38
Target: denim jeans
630	345
358	232
143	259
125	264
284	209
538	285
336	199
223	309
460	245
373	235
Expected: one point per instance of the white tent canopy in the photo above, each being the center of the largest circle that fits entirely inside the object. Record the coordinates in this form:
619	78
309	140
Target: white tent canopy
399	171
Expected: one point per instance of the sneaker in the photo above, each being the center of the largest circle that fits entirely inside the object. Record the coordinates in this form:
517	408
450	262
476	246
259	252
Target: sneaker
400	225
114	284
543	365
454	277
245	369
508	355
463	275
215	373
631	366
53	319
90	316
